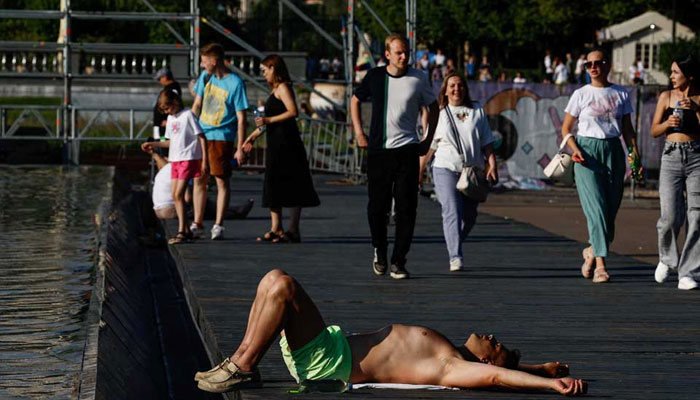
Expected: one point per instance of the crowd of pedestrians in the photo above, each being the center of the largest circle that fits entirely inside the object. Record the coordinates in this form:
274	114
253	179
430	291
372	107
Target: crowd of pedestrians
209	140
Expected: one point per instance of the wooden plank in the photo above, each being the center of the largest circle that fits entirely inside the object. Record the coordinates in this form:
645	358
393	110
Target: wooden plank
631	338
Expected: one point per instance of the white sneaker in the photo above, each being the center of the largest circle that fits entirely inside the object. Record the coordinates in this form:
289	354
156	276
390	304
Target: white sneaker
217	232
661	273
197	230
456	264
687	283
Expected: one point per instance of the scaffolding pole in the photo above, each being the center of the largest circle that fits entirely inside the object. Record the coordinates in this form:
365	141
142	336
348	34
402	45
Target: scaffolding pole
349	63
411	30
194	39
66	68
167	25
280	17
311	22
361	36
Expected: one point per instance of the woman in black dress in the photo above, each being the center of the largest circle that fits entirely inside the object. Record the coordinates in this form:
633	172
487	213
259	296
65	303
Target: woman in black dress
287	178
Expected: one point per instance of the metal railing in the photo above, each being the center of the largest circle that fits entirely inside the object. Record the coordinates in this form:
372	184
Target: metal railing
330	148
33	118
119	60
329	145
116	123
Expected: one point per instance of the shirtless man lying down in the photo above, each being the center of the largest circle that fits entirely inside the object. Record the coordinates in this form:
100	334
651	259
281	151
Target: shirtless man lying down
394	354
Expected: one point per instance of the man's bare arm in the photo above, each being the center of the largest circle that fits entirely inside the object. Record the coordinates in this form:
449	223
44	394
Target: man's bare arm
356	115
197	105
467	374
433	114
548	370
240	156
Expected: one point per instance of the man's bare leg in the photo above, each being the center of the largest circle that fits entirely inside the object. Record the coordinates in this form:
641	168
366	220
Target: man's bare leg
222	198
285	306
280	303
263	287
199	198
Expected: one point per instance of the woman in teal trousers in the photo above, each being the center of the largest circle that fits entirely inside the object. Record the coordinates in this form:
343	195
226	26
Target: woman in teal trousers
603	112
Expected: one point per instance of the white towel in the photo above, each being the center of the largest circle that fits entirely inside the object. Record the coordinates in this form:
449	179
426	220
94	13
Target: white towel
402	386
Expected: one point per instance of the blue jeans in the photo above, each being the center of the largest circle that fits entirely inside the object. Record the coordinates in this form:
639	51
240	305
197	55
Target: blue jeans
680	172
458	212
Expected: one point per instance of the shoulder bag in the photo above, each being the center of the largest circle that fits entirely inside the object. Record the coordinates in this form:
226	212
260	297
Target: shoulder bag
472	181
561	167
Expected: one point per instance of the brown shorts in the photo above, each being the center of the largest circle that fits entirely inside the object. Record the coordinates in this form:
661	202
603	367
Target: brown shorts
220	153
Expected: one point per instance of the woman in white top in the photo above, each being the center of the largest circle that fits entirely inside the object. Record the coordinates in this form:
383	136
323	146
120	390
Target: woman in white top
475	138
603	112
561	74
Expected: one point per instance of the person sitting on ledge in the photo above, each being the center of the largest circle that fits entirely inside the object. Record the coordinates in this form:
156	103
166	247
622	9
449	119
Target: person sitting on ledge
394	354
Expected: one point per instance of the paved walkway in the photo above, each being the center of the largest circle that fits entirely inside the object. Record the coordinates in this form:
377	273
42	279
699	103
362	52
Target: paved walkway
630	338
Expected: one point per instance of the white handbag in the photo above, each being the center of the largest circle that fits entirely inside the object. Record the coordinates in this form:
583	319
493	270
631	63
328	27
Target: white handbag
561	167
472	181
473	184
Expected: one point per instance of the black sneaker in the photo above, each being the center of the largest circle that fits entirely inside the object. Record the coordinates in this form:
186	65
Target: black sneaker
398	271
379	263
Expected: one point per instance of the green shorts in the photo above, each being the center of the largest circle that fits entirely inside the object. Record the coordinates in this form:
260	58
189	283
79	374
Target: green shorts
327	356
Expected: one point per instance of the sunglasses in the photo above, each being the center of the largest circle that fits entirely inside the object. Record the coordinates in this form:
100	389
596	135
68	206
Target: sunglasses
591	64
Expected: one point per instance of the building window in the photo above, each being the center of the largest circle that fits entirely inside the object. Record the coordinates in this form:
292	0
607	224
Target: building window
655	56
648	53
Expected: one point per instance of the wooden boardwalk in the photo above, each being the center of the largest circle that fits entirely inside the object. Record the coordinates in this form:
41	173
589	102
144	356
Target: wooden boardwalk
630	338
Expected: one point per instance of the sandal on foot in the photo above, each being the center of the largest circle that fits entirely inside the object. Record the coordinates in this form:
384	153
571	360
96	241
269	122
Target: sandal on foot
269	237
587	267
181	237
291	237
600	275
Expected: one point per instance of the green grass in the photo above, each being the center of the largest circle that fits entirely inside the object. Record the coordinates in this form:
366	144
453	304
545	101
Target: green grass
36	101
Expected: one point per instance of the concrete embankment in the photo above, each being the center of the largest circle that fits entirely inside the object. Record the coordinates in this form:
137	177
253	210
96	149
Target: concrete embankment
146	346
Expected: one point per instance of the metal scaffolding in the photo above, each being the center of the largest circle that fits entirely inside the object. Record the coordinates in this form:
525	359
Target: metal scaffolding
53	60
66	46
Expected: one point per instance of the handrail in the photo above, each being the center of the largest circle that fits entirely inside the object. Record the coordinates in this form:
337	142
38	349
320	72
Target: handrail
96	15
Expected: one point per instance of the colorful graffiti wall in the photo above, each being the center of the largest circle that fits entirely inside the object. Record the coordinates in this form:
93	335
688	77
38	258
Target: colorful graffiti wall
527	119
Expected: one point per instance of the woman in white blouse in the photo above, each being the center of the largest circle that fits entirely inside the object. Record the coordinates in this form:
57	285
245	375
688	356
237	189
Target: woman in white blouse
475	138
603	112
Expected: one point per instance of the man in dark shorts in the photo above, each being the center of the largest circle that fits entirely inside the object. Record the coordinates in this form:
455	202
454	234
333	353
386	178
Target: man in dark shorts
221	104
394	354
398	93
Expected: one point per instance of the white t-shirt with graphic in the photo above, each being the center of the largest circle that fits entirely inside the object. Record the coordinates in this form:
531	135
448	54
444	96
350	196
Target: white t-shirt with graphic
182	130
599	110
474	134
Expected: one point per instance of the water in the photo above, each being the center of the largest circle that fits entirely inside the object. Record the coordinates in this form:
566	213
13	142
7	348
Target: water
47	256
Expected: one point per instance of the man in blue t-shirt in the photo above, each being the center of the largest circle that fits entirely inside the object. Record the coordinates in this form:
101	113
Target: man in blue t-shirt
221	104
398	93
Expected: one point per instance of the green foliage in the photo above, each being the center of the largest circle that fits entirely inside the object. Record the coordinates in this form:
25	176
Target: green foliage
28	29
43	101
680	49
514	33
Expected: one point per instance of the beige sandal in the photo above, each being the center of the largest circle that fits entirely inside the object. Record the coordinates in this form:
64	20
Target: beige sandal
601	275
588	261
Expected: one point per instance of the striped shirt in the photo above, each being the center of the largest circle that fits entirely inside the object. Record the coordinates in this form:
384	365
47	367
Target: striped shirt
396	105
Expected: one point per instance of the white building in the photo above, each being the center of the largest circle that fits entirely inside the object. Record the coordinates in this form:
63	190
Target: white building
640	38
